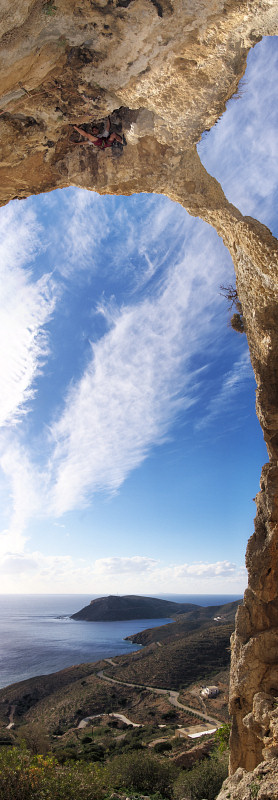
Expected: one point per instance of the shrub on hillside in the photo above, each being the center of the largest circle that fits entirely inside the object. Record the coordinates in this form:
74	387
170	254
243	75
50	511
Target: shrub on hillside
204	780
161	747
24	776
141	772
35	737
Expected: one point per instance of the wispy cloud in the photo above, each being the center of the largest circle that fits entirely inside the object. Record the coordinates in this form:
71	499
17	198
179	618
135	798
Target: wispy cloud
25	488
231	383
84	224
141	374
25	307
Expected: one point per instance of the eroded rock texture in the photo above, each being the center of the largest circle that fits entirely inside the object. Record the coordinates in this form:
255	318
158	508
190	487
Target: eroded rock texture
164	69
262	784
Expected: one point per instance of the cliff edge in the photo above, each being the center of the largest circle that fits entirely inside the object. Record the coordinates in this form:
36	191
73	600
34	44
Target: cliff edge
165	70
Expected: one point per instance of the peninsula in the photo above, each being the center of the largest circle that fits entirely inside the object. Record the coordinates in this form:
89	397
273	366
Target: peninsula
115	608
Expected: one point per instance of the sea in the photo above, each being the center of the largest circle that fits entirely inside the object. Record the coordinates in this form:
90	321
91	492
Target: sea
37	635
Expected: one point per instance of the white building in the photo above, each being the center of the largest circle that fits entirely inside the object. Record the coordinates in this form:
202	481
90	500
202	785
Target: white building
210	691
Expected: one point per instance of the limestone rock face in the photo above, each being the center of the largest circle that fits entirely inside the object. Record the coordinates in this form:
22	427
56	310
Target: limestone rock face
164	69
262	784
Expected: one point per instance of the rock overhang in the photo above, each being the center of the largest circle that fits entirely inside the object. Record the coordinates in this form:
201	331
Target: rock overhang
167	70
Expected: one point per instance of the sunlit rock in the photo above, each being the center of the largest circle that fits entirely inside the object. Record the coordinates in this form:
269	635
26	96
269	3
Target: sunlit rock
164	71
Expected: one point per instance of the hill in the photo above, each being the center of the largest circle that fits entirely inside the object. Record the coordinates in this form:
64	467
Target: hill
179	660
115	608
195	619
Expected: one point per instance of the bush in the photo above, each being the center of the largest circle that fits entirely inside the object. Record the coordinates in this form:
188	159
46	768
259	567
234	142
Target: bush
35	737
24	776
93	752
65	754
237	323
160	747
222	737
141	772
171	714
204	780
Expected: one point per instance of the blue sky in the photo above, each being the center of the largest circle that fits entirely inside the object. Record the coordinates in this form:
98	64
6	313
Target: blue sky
129	446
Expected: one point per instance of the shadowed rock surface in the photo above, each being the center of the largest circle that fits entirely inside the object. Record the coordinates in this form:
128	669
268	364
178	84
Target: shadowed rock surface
164	70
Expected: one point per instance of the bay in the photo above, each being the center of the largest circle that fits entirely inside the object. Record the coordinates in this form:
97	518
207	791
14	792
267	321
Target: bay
37	635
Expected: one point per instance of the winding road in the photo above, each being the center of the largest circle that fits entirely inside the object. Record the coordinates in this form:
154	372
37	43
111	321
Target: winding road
11	718
122	717
172	695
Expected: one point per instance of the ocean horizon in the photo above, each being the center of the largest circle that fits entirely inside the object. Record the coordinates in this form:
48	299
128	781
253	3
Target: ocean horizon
37	635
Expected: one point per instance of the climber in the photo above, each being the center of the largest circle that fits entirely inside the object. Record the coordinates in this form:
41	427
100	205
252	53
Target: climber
102	140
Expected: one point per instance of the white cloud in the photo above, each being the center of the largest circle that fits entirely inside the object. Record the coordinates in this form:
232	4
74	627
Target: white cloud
205	570
84	223
37	572
18	565
25	307
119	566
156	572
140	375
25	486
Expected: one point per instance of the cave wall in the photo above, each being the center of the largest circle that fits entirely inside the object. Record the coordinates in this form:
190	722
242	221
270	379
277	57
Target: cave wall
165	70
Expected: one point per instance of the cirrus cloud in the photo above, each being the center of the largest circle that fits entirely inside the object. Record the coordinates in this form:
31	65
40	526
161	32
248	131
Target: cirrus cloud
26	305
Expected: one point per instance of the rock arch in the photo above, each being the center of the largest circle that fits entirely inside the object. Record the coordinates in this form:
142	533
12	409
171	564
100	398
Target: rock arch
168	67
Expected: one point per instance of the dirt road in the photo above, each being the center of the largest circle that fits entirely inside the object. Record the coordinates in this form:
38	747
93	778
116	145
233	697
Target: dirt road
172	695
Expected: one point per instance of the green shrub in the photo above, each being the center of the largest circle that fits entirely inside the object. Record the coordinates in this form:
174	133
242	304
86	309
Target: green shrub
222	737
141	772
93	752
204	780
171	714
24	776
65	754
35	737
160	747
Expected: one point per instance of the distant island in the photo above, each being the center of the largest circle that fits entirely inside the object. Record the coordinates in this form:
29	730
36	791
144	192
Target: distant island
115	608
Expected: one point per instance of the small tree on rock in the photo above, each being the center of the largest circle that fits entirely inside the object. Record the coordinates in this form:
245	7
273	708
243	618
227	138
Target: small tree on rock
230	293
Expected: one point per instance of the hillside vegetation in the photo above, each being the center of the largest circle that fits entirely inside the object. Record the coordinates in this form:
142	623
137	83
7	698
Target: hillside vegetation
179	661
196	618
84	733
